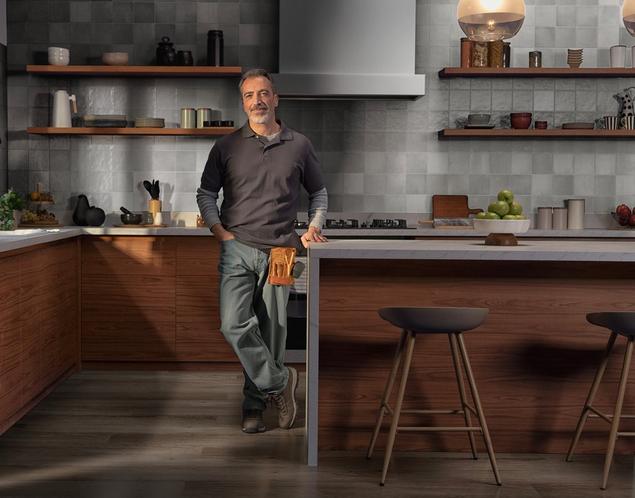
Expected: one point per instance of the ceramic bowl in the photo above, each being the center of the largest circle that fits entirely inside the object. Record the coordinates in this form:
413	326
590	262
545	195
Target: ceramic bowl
521	120
131	219
501	226
478	119
115	58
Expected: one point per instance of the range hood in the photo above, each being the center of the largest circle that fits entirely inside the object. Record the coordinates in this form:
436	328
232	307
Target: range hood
348	49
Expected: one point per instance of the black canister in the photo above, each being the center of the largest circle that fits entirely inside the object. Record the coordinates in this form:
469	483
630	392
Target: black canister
215	47
507	54
166	55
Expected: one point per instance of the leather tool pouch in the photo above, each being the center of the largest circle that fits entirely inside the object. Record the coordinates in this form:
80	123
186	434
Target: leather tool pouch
281	261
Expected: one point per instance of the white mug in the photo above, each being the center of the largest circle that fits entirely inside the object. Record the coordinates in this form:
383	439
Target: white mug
628	122
59	56
158	218
618	56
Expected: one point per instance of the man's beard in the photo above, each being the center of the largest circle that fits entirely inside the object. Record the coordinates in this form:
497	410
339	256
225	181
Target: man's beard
260	118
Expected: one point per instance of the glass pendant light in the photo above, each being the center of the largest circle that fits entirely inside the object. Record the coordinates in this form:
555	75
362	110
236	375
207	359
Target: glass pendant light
491	20
628	14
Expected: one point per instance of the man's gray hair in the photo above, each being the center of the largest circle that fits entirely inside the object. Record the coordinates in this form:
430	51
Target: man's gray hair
256	73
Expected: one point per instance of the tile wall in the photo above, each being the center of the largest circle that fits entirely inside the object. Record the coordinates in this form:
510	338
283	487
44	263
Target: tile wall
378	156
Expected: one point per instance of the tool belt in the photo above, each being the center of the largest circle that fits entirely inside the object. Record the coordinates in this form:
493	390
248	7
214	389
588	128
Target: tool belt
281	263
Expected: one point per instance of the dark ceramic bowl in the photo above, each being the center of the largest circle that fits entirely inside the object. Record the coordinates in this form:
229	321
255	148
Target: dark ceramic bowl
540	125
521	120
131	219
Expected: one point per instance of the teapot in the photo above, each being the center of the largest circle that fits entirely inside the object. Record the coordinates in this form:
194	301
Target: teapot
166	55
61	109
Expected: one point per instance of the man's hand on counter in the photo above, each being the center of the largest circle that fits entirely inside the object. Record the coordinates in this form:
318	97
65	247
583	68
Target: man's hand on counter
221	234
312	235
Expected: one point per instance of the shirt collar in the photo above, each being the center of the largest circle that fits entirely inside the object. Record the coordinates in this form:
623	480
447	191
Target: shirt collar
285	133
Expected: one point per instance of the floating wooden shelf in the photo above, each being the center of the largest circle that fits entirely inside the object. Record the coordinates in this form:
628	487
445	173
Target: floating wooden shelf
147	71
539	72
201	132
555	133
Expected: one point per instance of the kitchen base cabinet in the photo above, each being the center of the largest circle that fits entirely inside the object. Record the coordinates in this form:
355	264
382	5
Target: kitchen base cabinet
39	335
151	299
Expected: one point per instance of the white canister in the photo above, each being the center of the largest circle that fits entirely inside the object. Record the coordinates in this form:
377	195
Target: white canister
203	114
575	214
559	219
618	55
188	117
545	218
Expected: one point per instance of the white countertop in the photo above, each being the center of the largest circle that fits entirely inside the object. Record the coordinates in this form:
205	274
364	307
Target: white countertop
18	239
467	249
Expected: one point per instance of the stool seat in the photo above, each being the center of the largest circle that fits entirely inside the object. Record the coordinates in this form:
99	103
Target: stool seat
435	320
620	322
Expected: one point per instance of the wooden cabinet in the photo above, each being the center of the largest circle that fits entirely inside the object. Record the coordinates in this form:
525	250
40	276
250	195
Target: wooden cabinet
39	336
198	335
151	299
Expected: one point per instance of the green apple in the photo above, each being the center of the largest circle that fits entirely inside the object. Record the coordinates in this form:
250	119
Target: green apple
481	216
515	208
491	216
506	195
501	208
510	217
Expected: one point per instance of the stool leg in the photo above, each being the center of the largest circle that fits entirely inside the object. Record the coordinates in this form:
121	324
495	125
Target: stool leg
615	423
459	380
597	380
410	345
387	391
478	407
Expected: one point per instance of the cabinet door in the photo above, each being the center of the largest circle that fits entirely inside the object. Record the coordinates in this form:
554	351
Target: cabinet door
11	373
128	298
198	335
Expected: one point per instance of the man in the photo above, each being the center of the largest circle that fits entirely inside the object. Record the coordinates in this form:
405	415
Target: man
260	168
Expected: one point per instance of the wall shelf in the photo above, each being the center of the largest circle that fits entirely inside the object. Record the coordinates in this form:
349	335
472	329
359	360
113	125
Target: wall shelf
540	72
555	133
196	132
137	71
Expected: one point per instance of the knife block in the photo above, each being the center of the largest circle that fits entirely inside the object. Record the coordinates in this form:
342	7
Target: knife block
281	261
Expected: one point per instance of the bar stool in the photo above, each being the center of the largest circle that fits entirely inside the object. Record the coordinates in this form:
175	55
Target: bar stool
622	323
450	321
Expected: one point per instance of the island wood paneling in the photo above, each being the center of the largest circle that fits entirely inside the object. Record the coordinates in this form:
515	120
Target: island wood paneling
533	359
38	324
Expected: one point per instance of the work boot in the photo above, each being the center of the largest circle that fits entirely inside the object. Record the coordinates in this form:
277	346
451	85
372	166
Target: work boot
285	401
252	422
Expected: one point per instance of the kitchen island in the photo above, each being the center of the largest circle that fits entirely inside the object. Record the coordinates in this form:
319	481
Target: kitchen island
533	359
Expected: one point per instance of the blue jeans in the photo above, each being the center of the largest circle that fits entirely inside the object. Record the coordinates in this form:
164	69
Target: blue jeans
253	320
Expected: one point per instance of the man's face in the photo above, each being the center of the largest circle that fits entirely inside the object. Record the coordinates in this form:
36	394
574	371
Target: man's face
259	101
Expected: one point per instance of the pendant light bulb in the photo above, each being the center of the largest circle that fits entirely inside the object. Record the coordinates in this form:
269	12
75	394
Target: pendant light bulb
491	20
628	15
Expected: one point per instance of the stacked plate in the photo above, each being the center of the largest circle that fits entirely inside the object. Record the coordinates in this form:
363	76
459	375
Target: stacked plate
574	57
105	120
149	123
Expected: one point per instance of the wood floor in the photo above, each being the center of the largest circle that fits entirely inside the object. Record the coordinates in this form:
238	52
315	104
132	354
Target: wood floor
177	434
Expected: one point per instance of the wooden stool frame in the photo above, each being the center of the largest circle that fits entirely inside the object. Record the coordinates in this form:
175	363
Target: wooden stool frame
614	419
404	352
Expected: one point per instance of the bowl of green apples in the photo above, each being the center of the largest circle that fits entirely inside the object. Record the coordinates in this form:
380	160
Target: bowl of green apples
503	218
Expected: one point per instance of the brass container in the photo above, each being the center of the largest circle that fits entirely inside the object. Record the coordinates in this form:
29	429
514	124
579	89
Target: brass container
495	53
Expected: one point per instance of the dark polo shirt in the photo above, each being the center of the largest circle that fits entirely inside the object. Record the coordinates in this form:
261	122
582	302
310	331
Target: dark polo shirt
261	184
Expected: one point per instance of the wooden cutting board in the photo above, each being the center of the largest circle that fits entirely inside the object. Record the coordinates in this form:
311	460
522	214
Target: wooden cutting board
451	206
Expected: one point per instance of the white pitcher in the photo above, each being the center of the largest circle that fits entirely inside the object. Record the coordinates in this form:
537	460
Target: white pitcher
61	109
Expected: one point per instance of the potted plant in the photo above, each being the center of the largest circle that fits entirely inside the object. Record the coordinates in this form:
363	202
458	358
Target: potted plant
11	205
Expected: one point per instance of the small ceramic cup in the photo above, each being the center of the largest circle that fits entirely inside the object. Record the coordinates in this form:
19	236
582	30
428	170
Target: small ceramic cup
628	122
611	122
59	56
618	56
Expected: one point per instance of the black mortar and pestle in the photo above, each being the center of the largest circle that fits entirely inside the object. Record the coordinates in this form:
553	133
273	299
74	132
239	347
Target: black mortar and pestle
130	218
